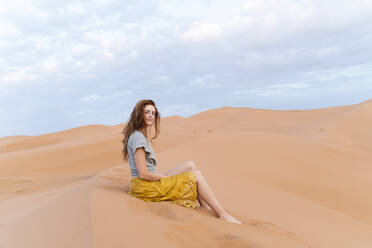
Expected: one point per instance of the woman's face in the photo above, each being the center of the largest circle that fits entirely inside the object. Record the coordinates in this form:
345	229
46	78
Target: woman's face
149	114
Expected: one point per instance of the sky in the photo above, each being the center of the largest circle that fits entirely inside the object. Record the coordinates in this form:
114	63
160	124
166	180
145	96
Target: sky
65	64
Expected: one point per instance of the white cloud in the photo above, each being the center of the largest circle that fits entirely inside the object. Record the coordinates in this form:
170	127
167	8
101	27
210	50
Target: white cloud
276	90
79	8
291	86
20	76
204	81
260	92
50	64
121	93
8	30
180	110
131	7
91	97
108	40
202	32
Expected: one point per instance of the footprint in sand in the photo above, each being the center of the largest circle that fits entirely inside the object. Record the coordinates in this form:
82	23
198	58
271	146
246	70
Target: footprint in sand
15	185
202	237
240	243
163	209
271	228
227	240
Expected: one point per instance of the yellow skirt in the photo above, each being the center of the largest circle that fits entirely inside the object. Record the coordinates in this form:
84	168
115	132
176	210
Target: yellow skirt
179	189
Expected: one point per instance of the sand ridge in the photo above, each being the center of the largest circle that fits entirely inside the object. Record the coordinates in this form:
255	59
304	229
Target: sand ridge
298	178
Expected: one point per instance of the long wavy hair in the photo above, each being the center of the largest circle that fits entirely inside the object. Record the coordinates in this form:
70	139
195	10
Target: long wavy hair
137	121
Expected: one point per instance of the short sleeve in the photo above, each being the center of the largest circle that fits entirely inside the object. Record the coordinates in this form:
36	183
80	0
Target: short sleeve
139	141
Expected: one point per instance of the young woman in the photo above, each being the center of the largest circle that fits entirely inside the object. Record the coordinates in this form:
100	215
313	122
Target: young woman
183	184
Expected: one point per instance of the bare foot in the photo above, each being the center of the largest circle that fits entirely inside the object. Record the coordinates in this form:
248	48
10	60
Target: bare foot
227	217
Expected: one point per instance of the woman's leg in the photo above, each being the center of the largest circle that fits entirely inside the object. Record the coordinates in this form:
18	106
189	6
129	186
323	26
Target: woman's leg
184	167
206	194
178	169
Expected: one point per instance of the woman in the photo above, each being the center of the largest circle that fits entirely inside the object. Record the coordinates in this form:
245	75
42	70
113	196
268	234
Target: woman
183	184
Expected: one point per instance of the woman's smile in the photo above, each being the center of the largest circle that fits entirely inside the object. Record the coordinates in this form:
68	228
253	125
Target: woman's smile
149	114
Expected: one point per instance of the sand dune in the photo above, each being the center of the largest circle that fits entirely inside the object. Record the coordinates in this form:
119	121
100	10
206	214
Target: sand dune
20	143
299	178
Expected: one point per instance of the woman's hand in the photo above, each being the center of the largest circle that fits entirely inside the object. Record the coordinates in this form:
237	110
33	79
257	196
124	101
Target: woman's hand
141	164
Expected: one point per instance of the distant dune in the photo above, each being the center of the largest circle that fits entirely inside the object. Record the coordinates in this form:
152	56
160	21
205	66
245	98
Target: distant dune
297	178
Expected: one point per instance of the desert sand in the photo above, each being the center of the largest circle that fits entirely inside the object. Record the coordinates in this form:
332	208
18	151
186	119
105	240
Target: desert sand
296	178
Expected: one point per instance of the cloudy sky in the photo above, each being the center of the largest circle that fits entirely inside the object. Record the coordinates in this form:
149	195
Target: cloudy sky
67	63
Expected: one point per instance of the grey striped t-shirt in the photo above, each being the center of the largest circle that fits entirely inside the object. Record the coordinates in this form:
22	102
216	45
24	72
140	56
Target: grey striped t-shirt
136	140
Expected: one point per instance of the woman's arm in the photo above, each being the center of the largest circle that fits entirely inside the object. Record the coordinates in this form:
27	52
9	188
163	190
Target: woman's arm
143	172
